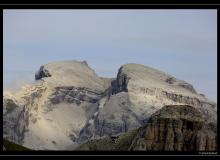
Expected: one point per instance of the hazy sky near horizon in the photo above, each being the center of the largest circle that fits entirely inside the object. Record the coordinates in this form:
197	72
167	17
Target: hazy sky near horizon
182	43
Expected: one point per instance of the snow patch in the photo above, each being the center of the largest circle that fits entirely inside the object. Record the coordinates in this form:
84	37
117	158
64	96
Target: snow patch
91	121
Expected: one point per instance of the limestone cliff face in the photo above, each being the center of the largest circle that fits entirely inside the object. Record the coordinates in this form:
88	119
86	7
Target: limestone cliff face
70	104
18	111
179	128
139	91
141	81
50	113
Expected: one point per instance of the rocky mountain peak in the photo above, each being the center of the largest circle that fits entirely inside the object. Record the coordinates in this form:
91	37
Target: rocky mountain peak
63	68
146	76
70	104
69	73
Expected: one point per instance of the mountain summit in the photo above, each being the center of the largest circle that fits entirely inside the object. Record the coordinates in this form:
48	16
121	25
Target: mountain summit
69	104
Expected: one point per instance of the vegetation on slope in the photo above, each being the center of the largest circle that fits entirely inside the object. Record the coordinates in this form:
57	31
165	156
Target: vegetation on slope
117	143
10	146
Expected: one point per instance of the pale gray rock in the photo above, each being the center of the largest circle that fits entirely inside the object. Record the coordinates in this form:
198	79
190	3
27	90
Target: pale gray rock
137	93
70	104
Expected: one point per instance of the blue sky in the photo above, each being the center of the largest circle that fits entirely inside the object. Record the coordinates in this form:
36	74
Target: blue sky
182	43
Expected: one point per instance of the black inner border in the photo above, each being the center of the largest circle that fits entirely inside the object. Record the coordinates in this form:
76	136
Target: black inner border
111	6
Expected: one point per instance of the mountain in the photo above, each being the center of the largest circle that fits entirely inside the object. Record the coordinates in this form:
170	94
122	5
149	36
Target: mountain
69	105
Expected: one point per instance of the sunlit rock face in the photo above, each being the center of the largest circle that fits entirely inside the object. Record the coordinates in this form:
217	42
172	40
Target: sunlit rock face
70	104
176	128
136	93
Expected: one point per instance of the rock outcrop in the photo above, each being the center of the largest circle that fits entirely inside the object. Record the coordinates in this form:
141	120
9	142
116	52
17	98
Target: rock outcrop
176	128
42	73
172	128
121	81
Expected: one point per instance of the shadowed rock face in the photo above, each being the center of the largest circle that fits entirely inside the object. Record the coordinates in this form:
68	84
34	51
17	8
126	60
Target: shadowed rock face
179	128
42	73
121	81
